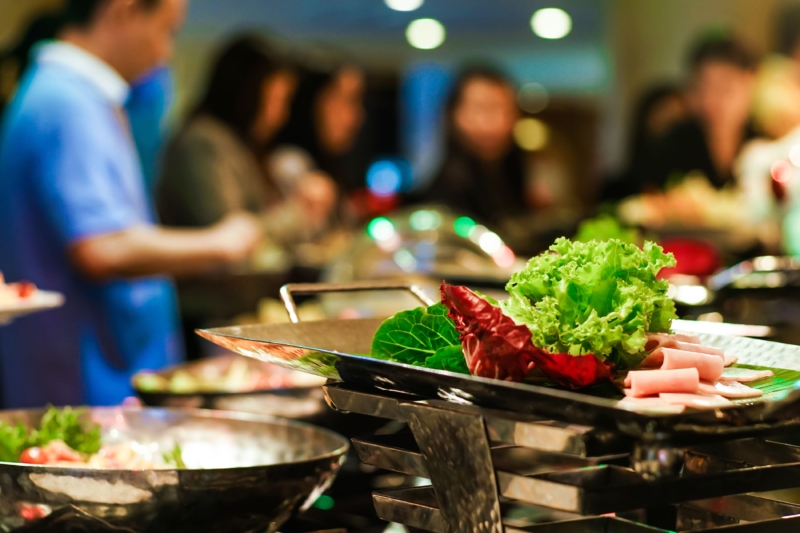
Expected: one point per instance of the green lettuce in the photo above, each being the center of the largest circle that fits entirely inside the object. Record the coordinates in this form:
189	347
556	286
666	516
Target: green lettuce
422	337
598	297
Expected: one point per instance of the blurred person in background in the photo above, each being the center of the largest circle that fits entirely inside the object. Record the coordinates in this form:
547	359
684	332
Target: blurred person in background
327	117
14	62
484	173
75	217
217	164
659	110
769	182
720	97
148	109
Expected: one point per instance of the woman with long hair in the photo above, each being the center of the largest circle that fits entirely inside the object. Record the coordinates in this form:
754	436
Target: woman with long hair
217	162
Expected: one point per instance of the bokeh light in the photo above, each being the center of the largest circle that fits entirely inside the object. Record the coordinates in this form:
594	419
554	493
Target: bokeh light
490	242
505	257
425	220
551	23
405	260
425	34
384	178
532	97
463	226
531	134
794	155
404	5
782	171
381	229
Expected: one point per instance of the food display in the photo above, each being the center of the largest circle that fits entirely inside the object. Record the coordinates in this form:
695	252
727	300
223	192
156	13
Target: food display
582	314
12	293
224	375
63	439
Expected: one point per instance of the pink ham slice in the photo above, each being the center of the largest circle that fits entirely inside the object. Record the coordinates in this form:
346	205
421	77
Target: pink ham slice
650	405
709	367
687	337
699	348
698	401
730	360
649	382
744	375
734	390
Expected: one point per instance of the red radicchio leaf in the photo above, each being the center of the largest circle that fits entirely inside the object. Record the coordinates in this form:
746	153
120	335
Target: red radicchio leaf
496	347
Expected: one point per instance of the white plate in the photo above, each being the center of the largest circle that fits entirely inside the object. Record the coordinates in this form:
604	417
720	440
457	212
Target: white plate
38	301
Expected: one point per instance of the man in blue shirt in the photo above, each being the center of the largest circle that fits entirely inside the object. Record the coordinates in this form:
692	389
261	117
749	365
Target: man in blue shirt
75	217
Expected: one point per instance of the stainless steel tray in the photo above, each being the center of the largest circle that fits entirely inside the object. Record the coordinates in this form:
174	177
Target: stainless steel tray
331	349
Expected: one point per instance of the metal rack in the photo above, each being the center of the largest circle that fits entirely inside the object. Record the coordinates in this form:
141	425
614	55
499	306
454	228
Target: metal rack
484	463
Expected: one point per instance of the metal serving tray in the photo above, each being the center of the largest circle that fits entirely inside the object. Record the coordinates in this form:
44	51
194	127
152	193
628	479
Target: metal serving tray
330	348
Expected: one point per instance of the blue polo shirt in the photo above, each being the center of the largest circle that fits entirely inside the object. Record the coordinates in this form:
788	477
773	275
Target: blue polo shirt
69	171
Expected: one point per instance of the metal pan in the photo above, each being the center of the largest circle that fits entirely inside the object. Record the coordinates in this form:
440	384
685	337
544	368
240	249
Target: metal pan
246	473
330	348
297	403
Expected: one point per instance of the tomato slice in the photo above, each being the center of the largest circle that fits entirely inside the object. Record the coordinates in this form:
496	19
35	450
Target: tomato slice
33	456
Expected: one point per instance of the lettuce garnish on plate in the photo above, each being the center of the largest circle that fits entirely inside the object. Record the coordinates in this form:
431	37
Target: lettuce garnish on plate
599	297
576	313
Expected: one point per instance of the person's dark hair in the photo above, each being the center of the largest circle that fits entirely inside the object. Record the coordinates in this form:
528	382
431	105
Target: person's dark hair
472	73
723	49
787	30
81	12
234	91
647	103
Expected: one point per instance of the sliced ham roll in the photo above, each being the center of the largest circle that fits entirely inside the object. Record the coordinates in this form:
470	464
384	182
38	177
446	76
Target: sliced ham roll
698	401
650	405
733	390
687	337
743	375
699	348
709	367
648	382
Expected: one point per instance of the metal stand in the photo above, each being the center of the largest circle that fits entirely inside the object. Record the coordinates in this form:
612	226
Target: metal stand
497	471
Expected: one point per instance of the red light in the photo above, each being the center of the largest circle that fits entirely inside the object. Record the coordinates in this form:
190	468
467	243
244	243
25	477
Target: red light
781	171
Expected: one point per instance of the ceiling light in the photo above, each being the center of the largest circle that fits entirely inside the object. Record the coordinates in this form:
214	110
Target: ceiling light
551	23
425	34
404	5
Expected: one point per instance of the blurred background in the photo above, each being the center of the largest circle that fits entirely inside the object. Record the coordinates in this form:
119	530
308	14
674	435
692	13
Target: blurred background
456	138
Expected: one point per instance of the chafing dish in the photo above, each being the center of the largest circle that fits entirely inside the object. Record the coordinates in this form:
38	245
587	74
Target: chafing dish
245	473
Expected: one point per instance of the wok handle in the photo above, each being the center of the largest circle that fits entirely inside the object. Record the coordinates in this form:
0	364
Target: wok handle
288	290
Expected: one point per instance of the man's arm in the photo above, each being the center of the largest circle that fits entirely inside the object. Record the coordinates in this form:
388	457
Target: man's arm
151	250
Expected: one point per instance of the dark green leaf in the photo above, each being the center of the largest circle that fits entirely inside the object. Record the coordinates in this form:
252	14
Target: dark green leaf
411	337
450	358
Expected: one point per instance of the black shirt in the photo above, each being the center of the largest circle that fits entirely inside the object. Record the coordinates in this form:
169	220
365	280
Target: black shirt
684	149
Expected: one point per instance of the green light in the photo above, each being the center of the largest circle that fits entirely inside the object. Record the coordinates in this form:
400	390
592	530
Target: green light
326	503
463	226
380	229
425	220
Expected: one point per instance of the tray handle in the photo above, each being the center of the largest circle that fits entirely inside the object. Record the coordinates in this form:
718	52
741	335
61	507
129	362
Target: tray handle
287	291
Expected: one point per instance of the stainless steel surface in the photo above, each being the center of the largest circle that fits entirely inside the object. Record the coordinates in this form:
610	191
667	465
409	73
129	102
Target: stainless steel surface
456	449
246	473
413	507
287	291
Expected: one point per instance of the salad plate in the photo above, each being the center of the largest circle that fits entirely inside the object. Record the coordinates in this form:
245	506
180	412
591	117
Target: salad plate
38	301
330	349
586	334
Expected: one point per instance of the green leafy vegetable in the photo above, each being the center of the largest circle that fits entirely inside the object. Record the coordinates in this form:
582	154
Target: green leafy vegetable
13	440
411	337
605	227
174	457
65	424
600	298
775	387
56	424
450	358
